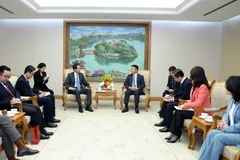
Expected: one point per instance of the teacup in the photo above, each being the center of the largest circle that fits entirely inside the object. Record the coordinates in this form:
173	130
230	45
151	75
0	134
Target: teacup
209	117
99	89
113	89
204	115
9	112
14	110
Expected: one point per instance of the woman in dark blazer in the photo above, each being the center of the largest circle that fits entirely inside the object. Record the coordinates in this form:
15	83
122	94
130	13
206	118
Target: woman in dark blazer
40	79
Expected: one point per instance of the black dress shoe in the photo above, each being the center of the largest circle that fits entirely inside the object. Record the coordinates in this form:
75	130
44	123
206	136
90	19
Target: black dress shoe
136	110
29	151
54	120
48	133
88	108
43	136
160	124
80	109
125	109
51	125
165	129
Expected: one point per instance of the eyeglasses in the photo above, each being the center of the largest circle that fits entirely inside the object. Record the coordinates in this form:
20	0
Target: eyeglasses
6	76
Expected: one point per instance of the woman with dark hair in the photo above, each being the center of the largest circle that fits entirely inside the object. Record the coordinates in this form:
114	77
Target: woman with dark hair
41	78
199	97
228	130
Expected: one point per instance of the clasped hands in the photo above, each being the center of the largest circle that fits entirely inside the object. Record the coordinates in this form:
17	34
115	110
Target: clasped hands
222	126
169	90
15	101
168	98
133	88
74	88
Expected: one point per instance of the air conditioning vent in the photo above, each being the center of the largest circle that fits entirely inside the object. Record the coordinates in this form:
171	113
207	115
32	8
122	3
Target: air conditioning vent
5	9
219	7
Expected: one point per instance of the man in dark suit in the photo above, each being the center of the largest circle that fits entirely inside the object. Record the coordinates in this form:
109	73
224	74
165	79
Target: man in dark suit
74	84
134	84
9	96
172	85
24	88
183	92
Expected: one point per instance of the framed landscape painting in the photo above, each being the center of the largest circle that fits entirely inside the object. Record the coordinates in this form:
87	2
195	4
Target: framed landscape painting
107	47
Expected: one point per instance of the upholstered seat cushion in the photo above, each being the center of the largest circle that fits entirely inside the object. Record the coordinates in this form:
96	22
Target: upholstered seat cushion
28	119
72	97
187	122
0	140
230	152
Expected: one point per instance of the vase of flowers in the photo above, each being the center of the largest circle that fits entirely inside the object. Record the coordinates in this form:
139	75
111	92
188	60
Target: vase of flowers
106	82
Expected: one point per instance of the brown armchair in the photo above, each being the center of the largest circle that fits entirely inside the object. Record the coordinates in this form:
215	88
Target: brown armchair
71	97
143	98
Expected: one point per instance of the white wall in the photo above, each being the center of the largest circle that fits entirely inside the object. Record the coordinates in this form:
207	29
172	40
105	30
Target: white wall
230	48
183	44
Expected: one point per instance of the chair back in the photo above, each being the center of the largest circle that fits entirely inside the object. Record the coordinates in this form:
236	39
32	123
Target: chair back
13	79
146	74
219	96
69	70
210	81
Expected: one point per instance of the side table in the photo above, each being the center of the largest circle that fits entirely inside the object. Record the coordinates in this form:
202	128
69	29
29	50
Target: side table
106	93
200	123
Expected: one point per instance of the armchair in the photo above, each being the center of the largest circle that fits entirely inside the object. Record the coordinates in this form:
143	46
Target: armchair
143	98
219	100
70	97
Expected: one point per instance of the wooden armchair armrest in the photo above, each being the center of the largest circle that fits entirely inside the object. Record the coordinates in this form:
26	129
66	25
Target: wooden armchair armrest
19	106
161	102
182	101
216	119
28	98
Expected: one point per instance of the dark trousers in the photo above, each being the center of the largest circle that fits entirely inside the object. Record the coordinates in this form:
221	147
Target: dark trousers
77	93
136	96
178	119
167	112
49	107
36	116
48	90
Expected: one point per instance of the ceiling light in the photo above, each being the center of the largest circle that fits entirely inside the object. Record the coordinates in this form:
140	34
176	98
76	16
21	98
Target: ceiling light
111	3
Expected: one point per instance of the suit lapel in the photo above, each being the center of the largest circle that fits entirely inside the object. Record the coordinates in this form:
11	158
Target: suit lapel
3	88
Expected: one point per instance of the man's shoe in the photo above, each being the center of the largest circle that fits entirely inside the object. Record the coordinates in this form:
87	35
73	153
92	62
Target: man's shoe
165	129
125	109
88	108
80	109
43	136
29	151
160	124
51	125
48	133
54	120
137	110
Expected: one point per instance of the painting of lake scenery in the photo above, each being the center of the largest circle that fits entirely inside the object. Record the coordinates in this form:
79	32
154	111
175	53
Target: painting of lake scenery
107	49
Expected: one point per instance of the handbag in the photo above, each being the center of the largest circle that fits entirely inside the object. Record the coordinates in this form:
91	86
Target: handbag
35	135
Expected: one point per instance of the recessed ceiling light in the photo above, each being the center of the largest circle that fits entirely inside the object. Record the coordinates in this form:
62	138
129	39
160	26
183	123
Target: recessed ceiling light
111	3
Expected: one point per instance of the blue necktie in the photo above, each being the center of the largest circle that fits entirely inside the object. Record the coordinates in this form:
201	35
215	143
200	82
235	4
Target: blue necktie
78	83
133	81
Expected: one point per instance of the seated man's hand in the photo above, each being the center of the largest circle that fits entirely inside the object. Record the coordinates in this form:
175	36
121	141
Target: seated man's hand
72	89
42	94
170	90
15	100
169	99
90	86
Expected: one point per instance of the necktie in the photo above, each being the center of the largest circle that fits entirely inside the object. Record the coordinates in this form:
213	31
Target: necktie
8	89
133	81
78	83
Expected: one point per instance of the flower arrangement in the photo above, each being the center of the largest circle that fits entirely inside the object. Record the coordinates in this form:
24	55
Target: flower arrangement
106	82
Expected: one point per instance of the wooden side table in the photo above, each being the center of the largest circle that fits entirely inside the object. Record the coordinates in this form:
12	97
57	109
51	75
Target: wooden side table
106	93
200	123
18	118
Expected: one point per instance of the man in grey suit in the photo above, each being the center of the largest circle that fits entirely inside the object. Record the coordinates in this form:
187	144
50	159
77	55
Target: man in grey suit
9	136
74	84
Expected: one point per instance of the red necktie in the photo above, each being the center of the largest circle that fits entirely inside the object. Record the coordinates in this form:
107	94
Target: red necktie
8	89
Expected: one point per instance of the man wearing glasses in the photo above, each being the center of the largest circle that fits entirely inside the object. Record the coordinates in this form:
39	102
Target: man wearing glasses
9	96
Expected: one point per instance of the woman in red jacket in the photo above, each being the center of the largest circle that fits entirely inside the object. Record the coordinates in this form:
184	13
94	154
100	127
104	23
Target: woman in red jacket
199	97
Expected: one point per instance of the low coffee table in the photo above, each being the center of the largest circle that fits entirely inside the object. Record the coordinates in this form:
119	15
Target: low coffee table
106	93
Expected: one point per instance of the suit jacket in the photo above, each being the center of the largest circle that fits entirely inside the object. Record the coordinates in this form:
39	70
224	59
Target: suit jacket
38	80
6	97
140	82
199	98
183	91
24	88
172	84
70	81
